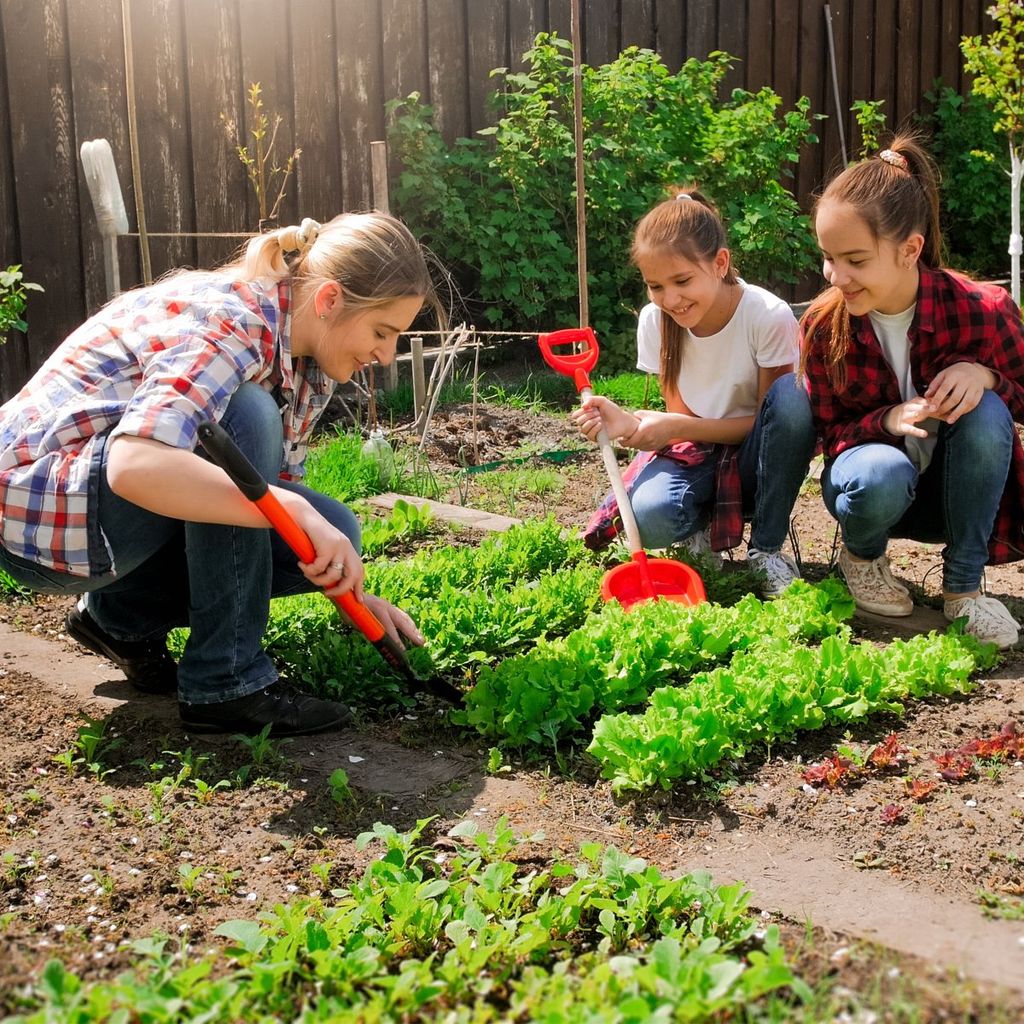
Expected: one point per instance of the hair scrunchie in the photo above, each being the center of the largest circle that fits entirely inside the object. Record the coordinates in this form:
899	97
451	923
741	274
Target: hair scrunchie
299	240
894	159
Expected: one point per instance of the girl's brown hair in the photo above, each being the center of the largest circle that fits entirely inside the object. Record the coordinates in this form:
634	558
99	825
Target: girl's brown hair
897	195
687	225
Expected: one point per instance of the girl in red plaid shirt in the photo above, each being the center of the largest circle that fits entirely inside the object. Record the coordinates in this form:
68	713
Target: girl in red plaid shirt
915	376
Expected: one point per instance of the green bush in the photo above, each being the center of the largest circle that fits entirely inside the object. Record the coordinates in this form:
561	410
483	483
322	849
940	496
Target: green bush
973	163
13	300
501	209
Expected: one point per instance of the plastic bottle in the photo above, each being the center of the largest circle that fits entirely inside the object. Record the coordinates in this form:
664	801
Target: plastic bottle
377	448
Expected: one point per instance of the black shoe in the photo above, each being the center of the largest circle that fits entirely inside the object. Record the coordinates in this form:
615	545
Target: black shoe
147	664
287	712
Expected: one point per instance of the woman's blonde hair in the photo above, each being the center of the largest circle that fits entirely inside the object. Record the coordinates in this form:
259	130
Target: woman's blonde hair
687	225
896	193
373	256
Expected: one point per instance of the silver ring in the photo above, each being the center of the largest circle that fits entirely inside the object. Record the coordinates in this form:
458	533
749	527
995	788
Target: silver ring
338	566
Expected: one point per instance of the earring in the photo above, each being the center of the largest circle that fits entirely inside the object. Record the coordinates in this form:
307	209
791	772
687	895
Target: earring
323	316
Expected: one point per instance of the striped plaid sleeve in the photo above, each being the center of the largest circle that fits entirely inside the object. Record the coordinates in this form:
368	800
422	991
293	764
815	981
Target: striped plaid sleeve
1007	359
852	417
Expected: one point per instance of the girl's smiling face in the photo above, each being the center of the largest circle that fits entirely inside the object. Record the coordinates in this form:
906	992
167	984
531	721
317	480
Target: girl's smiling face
692	292
873	274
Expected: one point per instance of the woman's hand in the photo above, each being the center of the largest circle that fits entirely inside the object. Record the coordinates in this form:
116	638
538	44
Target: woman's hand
397	624
337	567
901	420
598	411
957	389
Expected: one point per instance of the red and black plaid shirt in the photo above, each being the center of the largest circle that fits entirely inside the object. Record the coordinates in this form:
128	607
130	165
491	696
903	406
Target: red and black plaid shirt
956	321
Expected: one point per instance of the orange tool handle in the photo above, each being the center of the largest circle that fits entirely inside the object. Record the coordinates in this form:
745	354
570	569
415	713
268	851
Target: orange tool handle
226	454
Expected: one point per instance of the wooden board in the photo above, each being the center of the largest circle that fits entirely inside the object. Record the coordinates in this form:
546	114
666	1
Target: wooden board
486	35
451	85
637	24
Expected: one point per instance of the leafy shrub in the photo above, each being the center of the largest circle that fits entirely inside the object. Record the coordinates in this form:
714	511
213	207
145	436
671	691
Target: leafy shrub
973	163
13	299
502	211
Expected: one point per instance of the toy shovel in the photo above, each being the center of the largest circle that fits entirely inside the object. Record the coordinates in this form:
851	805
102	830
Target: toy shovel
225	453
642	578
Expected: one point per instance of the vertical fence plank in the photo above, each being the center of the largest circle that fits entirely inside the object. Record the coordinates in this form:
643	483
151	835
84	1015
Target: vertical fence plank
487	35
950	58
359	67
215	88
165	141
761	22
701	30
814	82
862	65
559	17
316	110
670	23
96	57
267	60
403	45
525	19
930	34
883	80
636	24
732	39
43	153
600	31
15	365
451	86
908	60
786	50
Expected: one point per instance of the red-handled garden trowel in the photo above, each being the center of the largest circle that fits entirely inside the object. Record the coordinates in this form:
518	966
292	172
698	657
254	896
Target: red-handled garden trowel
226	454
642	578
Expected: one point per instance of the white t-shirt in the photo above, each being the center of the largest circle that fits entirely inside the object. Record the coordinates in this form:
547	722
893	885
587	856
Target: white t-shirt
718	376
891	330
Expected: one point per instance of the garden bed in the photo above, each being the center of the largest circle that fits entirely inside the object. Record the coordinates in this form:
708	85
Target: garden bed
94	861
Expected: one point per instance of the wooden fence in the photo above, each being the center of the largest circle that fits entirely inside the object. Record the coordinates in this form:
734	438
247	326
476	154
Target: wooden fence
329	66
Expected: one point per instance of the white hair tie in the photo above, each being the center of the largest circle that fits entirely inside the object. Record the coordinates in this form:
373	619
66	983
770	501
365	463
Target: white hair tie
309	231
684	195
894	159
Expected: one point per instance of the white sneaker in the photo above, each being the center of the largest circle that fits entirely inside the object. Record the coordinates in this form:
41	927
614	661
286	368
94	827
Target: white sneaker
872	587
987	619
779	570
699	546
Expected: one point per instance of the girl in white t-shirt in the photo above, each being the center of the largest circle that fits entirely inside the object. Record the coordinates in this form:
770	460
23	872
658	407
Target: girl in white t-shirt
738	434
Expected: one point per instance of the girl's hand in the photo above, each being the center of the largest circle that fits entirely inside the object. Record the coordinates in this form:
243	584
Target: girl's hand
597	412
654	430
398	625
901	420
957	389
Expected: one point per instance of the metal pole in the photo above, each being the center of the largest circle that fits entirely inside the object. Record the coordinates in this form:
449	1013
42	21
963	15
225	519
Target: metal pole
840	112
581	196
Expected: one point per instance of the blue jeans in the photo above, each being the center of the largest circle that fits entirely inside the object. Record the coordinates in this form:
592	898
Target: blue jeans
218	580
672	501
876	492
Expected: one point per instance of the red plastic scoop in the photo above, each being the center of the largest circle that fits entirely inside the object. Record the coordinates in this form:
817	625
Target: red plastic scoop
642	578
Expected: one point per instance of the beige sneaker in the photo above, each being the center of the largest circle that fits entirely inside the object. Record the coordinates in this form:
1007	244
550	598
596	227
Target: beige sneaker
699	546
779	570
987	620
872	586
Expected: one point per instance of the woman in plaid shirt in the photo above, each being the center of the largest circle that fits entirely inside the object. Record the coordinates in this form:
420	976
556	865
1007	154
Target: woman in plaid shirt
916	378
104	494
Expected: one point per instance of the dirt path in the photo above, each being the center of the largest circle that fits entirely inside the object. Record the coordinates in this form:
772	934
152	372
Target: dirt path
799	876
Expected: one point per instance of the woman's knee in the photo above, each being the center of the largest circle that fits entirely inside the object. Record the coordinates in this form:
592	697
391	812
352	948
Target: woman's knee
988	426
339	515
253	420
878	481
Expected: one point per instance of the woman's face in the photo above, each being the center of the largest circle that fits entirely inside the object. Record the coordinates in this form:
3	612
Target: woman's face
689	292
350	341
874	274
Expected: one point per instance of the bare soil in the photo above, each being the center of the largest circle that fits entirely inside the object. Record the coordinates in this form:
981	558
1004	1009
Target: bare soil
89	864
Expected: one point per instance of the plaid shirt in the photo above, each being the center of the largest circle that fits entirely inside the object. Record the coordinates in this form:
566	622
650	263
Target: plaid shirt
956	321
154	363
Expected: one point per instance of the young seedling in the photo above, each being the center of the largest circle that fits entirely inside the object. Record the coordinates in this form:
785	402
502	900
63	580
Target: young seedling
341	792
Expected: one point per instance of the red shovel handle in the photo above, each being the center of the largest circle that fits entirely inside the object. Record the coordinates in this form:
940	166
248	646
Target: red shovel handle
575	363
226	454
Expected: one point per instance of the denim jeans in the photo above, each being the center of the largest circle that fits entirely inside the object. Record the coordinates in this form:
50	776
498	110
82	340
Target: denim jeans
672	501
218	580
876	492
